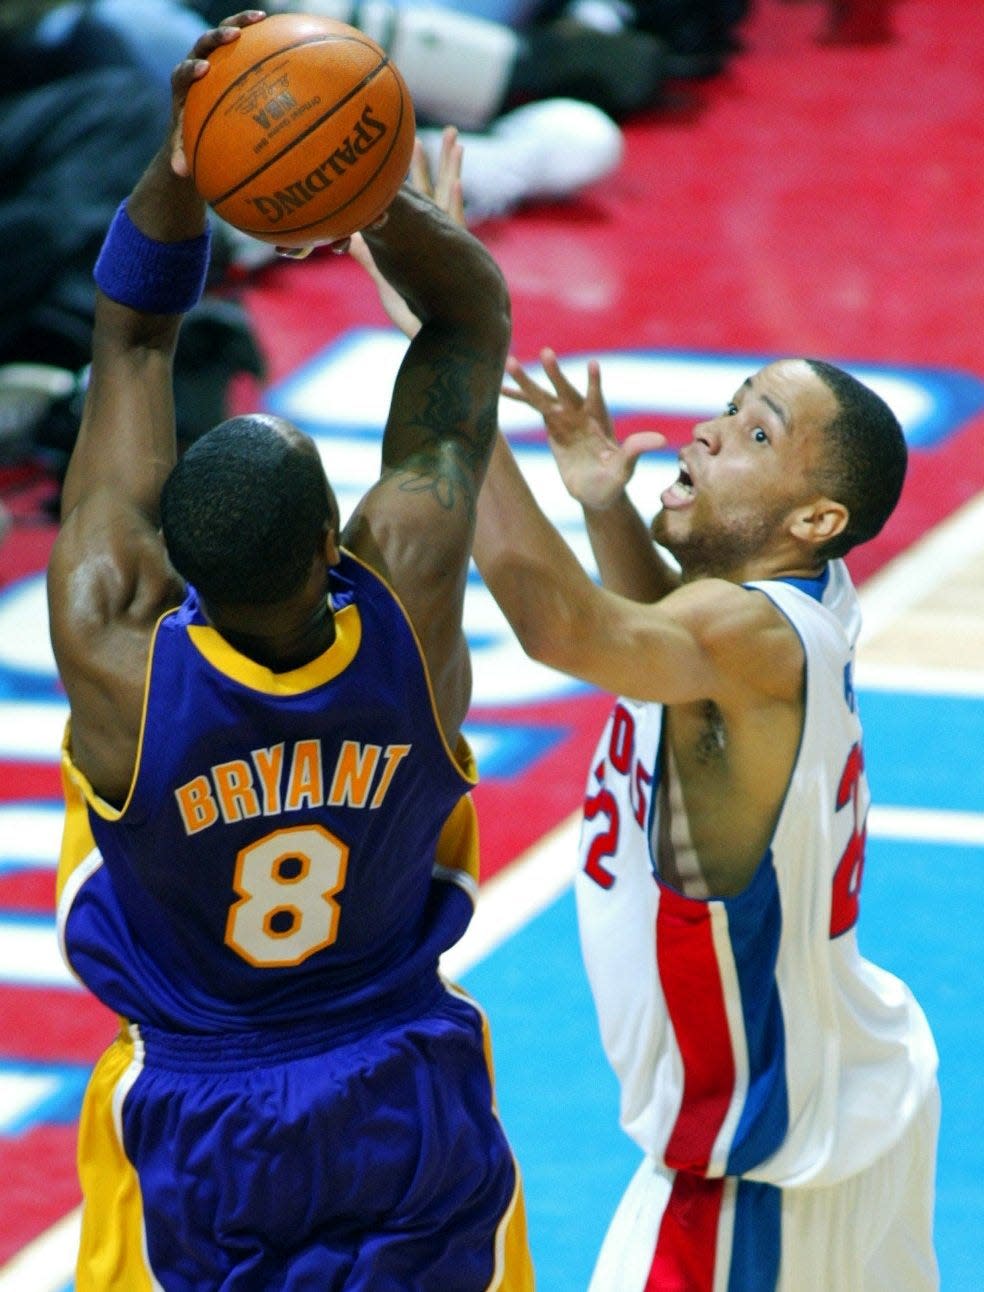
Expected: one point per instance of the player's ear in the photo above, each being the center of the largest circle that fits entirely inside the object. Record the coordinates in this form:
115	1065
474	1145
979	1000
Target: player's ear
331	549
819	521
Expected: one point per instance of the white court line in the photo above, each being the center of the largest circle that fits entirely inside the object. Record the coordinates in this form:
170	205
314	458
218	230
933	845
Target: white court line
517	895
921	569
919	679
926	825
506	903
32	730
30	955
46	1264
529	885
22	1093
30	834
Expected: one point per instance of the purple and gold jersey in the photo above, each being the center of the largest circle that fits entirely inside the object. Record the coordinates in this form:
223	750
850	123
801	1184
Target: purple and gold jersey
293	845
296	1099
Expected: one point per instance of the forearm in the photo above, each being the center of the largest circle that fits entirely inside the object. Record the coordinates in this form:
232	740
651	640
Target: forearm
628	560
166	206
533	575
126	438
443	416
149	272
443	272
562	618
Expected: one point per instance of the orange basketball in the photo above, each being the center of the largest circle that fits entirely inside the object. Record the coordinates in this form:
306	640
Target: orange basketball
300	132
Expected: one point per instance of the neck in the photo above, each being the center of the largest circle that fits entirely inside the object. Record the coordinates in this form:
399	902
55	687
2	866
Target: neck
784	565
275	637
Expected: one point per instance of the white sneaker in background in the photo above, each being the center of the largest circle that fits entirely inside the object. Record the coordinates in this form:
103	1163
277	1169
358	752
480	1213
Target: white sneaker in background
543	151
28	392
601	15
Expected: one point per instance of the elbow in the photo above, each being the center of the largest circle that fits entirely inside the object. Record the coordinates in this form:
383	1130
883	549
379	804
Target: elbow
550	644
543	624
499	295
496	306
531	637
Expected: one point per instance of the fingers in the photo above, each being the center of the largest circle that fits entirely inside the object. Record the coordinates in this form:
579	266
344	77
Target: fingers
445	190
449	171
360	253
420	176
510	393
527	391
244	18
194	67
565	391
225	33
594	395
565	398
639	442
182	78
456	203
338	248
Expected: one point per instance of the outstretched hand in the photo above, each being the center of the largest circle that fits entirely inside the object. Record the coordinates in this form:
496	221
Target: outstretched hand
445	191
594	465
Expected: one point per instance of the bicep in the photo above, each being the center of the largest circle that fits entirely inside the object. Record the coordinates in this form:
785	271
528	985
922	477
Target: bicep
126	437
415	531
637	650
703	641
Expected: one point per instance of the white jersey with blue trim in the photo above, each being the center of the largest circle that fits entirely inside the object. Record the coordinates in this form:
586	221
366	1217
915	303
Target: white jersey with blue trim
749	1035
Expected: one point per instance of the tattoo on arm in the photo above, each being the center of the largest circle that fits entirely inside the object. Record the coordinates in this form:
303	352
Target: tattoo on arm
455	430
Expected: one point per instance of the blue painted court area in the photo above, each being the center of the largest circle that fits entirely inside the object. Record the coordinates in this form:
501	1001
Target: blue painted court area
920	918
924	751
557	1096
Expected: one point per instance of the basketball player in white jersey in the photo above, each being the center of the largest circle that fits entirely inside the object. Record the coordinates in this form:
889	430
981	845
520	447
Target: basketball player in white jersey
782	1088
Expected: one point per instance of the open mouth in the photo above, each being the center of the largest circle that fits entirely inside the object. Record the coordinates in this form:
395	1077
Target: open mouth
681	492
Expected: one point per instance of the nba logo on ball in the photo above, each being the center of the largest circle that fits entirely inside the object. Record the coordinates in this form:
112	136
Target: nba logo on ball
301	131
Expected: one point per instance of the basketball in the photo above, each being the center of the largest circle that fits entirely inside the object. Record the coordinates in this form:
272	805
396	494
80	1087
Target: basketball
300	132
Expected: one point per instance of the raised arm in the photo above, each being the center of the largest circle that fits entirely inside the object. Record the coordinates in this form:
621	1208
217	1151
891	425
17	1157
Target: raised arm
417	524
596	468
125	445
109	578
705	640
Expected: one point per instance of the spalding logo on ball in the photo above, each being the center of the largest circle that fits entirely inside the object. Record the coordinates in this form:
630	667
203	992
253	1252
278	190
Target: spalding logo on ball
301	132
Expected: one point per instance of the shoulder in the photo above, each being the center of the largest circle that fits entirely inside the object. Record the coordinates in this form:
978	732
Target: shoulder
108	574
716	610
747	638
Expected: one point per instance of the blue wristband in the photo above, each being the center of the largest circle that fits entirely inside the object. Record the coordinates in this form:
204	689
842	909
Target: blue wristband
149	276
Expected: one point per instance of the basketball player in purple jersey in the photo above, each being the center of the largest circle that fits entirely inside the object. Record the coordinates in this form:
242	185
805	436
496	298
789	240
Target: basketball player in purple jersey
269	837
782	1088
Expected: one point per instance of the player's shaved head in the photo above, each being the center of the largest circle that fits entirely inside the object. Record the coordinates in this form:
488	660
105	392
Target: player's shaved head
245	510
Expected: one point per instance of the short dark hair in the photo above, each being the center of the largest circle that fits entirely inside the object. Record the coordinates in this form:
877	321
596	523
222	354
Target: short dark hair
244	511
865	458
